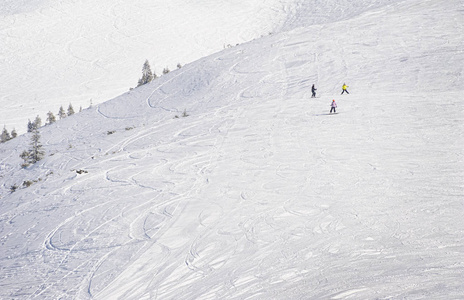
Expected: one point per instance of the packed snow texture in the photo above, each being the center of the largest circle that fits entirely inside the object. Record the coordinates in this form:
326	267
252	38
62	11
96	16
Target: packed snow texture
54	53
226	180
82	52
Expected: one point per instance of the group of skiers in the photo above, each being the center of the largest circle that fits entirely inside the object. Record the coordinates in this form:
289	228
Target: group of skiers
333	105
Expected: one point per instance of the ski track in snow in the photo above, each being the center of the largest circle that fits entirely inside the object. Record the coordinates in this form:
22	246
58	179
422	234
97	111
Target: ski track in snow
257	193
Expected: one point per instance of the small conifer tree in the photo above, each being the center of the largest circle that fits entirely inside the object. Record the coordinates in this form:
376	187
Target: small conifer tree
37	122
147	74
166	71
70	110
50	118
36	152
30	126
61	113
179	66
5	136
14	133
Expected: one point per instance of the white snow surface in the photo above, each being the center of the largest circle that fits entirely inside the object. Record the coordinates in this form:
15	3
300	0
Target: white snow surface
56	53
258	193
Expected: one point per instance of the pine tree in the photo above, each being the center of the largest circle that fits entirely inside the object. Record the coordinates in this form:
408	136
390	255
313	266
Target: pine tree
37	122
61	113
5	136
14	133
147	74
30	126
166	71
50	118
70	110
179	66
36	152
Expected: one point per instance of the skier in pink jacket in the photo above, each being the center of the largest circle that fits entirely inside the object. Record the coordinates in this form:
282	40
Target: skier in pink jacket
333	106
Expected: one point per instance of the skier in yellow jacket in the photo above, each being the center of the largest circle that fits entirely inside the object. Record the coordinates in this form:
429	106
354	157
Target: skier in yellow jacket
344	87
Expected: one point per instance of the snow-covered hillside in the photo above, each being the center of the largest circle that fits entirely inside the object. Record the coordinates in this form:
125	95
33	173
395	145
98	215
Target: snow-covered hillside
58	52
258	193
53	53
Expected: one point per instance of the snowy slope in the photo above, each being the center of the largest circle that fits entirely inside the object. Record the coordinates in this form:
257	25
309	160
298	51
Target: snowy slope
53	53
58	52
258	193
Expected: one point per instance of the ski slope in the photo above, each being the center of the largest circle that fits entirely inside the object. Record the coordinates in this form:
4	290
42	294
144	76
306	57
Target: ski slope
82	52
56	53
258	193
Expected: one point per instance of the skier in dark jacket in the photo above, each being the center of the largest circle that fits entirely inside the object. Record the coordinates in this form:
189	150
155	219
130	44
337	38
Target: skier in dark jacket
313	90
